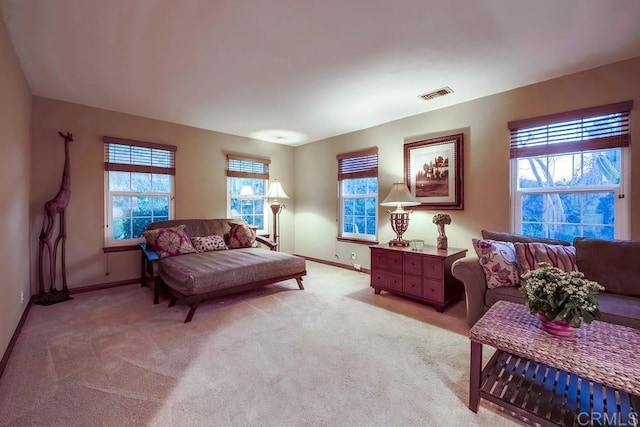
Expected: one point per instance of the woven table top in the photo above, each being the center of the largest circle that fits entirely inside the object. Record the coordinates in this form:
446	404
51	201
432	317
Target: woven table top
600	351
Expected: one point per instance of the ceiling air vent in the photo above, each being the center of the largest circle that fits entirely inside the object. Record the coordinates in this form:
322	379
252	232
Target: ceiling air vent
436	93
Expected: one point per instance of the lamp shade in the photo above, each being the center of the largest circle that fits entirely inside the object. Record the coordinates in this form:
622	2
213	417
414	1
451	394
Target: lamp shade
276	191
246	191
399	196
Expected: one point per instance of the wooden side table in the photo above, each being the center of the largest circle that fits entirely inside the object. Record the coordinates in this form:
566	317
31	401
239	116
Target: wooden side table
148	264
422	275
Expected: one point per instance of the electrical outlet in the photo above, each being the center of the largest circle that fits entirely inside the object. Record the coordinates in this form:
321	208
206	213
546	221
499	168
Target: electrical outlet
353	256
356	266
22	297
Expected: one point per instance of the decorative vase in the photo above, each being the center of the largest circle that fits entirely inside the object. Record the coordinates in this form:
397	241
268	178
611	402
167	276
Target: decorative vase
441	241
559	328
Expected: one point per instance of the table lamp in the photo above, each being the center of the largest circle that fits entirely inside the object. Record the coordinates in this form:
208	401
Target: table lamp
399	197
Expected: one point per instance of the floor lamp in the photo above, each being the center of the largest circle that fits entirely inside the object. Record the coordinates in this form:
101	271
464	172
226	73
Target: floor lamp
274	193
399	197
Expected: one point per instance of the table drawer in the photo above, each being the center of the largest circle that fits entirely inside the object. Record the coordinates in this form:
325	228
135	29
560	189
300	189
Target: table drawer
394	261
432	290
413	264
394	282
432	268
378	278
412	286
378	259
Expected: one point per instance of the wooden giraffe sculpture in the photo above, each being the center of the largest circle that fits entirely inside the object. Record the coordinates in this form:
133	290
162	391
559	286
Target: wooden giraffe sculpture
54	210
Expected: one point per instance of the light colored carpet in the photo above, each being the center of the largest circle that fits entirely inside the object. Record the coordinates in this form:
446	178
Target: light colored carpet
334	354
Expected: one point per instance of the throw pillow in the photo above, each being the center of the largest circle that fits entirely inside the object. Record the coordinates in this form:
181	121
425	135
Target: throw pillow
512	237
530	255
241	236
498	260
169	241
209	243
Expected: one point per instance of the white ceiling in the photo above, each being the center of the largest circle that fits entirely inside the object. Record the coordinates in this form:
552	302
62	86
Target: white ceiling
305	68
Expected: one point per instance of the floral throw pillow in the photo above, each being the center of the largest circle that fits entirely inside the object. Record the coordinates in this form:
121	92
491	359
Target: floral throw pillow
530	255
169	241
498	261
241	236
209	243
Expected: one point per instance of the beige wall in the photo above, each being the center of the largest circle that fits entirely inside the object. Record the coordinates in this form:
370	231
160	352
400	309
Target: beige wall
486	160
309	224
200	180
15	114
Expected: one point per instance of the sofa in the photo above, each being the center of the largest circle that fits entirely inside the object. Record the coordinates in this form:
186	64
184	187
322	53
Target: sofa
207	258
615	264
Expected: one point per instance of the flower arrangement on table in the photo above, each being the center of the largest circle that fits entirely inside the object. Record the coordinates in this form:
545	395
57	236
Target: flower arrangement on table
561	295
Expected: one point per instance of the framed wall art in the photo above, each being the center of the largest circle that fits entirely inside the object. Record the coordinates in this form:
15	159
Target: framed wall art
434	172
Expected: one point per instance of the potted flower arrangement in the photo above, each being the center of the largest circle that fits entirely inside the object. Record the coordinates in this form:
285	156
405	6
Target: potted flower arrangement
558	297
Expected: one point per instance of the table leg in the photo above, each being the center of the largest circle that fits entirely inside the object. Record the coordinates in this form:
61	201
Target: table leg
143	272
157	284
475	370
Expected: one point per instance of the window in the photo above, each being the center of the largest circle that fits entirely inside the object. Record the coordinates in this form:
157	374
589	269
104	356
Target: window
358	194
568	173
139	187
247	185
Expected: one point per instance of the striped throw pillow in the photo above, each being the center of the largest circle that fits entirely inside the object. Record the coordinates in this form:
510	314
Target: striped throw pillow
530	255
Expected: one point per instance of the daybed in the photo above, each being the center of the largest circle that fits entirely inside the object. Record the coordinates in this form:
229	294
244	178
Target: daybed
615	264
233	263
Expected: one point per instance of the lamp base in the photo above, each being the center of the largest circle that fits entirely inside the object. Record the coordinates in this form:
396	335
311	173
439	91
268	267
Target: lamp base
398	242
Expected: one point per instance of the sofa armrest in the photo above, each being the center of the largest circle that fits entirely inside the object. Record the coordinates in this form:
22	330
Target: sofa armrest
469	271
268	243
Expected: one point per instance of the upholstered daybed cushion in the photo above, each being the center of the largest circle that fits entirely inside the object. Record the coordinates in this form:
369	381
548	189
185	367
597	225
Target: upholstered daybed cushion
212	271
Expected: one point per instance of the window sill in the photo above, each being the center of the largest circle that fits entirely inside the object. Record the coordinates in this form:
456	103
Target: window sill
357	241
123	248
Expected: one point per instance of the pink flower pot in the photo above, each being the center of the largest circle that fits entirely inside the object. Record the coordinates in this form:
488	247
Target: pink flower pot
556	327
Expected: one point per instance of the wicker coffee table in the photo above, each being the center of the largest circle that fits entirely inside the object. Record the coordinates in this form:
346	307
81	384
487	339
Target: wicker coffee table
590	379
